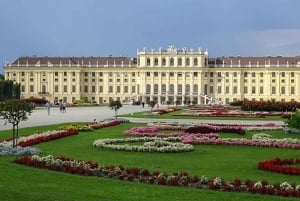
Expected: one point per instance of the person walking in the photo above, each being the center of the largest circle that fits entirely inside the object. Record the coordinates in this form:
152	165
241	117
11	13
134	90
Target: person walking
48	106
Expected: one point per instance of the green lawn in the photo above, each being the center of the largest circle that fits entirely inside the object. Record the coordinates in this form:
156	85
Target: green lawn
20	182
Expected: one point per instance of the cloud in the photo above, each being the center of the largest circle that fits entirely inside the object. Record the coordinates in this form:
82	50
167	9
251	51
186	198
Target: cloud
270	42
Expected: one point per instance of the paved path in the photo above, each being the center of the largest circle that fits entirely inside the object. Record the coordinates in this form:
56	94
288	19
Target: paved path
88	114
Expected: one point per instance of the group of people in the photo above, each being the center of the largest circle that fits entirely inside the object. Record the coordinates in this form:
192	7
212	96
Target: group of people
62	107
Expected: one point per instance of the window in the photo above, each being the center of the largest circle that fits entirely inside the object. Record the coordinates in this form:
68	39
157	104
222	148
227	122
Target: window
110	74
195	62
56	88
155	74
118	89
227	74
261	90
253	91
273	90
179	74
65	88
227	89
187	61
235	89
245	74
187	89
211	89
148	74
22	74
93	74
110	89
219	89
22	88
86	74
148	61
55	73
195	74
100	74
133	74
235	74
86	89
293	90
179	62
163	89
179	89
172	62
282	90
292	74
273	74
195	89
163	74
132	89
211	74
219	74
253	74
261	74
163	61
125	89
93	89
100	89
245	90
155	61
73	88
171	74
282	74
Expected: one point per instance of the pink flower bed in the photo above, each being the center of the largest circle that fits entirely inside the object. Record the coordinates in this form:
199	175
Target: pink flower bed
239	142
105	124
152	131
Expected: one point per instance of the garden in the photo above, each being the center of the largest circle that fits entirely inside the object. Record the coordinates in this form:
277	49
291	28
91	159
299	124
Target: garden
188	158
118	160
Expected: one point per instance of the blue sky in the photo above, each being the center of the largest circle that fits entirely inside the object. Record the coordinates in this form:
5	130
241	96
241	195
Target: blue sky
120	27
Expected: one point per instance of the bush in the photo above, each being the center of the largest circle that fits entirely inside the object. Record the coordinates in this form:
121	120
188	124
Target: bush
294	121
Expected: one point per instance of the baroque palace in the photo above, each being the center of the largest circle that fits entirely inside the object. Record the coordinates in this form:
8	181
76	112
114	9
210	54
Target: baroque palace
177	75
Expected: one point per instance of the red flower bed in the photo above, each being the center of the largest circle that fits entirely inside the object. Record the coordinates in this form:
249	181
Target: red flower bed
176	179
103	125
41	139
281	166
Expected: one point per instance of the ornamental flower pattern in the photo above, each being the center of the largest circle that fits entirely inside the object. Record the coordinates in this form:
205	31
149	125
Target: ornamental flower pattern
89	168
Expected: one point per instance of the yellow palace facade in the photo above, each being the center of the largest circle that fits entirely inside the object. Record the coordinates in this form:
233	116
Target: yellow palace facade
173	75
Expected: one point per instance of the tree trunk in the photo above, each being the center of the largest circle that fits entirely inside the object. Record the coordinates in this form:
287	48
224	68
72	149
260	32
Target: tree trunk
14	136
116	114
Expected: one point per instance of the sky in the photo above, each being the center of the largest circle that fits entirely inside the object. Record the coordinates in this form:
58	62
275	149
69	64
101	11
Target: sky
120	27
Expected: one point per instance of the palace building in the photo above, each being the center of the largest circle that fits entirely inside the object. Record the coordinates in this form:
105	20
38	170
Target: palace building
173	75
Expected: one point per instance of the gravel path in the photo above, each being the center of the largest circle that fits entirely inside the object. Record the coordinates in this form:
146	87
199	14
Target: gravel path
88	114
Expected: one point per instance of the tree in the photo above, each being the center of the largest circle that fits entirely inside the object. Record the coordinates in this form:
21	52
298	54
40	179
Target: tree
152	104
294	121
14	111
115	105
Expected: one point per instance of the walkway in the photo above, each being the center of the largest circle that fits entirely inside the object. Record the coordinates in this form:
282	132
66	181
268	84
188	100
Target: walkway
88	114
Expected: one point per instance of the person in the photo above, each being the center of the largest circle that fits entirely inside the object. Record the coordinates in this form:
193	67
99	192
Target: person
48	106
143	104
64	106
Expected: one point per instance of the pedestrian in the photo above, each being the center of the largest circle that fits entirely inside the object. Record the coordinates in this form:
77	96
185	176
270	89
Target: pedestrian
64	106
48	106
143	104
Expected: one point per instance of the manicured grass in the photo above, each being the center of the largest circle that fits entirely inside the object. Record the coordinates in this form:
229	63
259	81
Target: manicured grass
19	182
172	115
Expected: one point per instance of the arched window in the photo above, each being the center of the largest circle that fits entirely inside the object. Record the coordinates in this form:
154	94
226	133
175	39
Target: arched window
172	62
148	89
179	62
163	61
156	62
163	89
148	61
155	89
195	89
187	89
195	62
187	61
171	90
179	89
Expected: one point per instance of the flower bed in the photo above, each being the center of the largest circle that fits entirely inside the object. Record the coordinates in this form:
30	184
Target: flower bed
257	140
90	168
151	144
40	137
152	131
281	166
105	124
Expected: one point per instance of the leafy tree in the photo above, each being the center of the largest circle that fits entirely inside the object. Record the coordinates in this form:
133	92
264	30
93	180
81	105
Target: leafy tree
294	121
1	77
14	111
9	90
152	104
115	105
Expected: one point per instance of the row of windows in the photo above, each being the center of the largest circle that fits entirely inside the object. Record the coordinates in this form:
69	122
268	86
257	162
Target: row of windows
171	62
